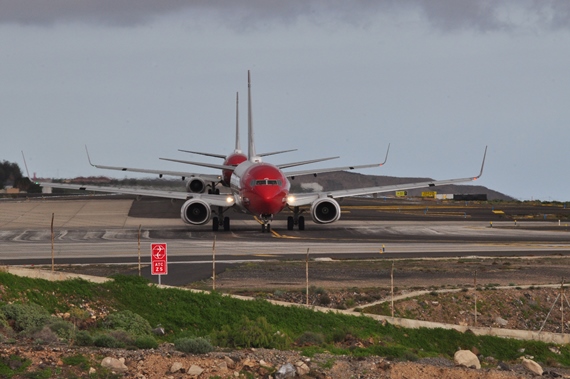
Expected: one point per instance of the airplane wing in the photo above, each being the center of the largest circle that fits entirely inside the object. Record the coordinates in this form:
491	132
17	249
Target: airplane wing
206	154
300	163
202	164
181	174
293	174
275	152
215	200
308	198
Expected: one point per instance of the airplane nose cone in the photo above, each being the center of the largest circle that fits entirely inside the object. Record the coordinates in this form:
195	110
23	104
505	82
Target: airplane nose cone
270	199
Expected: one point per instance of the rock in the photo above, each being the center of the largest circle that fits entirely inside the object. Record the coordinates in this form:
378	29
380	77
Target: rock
302	368
532	366
114	364
264	364
195	370
503	366
501	321
230	362
159	331
555	350
383	365
286	371
467	359
249	363
92	371
176	366
552	374
221	367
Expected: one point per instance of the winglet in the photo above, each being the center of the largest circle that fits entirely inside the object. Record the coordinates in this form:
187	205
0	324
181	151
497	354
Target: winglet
482	165
88	157
386	158
25	164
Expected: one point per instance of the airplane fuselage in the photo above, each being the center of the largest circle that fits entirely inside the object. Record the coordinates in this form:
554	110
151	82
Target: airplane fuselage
234	159
259	188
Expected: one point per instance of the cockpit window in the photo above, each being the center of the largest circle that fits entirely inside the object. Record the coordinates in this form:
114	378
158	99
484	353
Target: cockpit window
266	182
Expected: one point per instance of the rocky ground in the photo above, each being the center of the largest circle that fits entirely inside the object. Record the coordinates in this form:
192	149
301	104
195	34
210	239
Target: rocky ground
361	284
167	363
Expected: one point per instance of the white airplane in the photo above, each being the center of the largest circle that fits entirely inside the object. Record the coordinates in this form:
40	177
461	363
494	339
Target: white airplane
262	189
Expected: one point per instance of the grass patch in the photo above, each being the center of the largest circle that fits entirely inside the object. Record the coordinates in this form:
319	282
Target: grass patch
256	323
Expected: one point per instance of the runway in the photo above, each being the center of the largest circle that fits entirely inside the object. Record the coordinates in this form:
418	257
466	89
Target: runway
102	231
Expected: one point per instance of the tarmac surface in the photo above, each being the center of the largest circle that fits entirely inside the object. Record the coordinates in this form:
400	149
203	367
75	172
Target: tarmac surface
105	230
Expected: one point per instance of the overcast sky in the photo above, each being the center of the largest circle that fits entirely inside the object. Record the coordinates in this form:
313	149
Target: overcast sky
441	79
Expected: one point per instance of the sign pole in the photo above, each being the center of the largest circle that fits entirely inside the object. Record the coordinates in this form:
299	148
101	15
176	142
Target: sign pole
307	276
214	265
139	250
52	253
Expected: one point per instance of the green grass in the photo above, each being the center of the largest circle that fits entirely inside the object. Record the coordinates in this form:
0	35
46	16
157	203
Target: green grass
186	314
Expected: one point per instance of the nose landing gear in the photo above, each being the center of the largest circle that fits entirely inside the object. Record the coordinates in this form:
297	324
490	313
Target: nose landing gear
266	223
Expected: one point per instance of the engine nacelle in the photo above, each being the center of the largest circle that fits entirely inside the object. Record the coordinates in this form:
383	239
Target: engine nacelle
195	212
325	211
195	185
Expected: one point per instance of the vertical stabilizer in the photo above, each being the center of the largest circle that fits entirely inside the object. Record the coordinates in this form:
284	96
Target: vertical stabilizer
238	146
251	155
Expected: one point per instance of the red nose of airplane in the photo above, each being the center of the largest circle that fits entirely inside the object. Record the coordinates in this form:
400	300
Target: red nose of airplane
268	199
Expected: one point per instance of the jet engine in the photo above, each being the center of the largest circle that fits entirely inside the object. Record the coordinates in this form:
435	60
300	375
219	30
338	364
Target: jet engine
195	212
195	185
325	211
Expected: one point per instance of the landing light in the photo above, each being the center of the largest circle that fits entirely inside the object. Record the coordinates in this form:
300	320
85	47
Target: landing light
291	199
229	199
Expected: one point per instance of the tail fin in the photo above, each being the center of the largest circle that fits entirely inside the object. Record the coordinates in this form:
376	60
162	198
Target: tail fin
251	155
238	146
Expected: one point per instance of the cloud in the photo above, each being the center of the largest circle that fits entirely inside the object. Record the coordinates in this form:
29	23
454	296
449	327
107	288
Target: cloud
447	15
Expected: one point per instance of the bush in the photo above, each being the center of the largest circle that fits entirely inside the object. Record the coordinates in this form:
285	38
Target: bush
83	338
146	342
26	316
62	328
247	333
77	360
106	340
129	322
45	336
193	345
310	338
122	337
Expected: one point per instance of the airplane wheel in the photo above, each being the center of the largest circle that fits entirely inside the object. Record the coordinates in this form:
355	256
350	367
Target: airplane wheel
209	191
290	223
226	224
217	191
215	224
268	228
262	228
301	223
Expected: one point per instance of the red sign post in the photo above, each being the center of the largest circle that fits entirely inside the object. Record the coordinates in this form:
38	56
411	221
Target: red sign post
159	265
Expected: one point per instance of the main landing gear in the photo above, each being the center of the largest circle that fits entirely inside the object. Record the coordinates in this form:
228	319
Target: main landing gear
221	221
296	219
213	190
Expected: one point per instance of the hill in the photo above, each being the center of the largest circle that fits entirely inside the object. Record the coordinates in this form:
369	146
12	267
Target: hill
347	180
